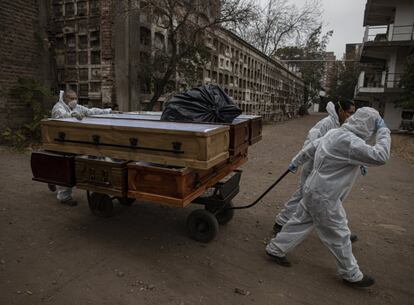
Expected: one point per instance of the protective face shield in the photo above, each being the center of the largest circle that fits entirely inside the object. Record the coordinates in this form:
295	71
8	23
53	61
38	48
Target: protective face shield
72	104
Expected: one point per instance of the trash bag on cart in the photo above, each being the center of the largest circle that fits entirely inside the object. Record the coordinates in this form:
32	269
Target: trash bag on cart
208	103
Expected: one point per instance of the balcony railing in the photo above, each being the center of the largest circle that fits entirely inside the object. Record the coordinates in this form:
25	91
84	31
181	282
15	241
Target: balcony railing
375	82
389	33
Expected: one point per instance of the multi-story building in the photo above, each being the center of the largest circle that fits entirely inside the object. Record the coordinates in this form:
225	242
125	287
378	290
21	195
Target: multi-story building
95	48
328	72
388	40
101	61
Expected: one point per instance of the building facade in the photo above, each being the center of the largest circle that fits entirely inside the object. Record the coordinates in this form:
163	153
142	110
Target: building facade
95	47
388	40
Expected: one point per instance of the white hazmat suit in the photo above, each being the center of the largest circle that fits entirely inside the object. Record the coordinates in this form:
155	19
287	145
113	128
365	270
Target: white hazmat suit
60	111
317	131
337	157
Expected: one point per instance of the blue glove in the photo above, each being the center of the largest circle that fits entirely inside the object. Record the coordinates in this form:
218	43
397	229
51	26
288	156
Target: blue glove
292	167
379	123
364	170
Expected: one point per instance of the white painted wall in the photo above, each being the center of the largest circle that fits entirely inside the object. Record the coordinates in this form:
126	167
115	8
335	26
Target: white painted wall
404	15
392	116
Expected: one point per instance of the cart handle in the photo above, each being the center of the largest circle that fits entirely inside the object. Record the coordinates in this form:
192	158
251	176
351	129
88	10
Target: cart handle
261	196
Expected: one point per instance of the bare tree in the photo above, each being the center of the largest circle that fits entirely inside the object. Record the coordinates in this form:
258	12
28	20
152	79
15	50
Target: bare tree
186	23
279	23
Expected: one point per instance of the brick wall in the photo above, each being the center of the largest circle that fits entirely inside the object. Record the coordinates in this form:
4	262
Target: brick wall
21	55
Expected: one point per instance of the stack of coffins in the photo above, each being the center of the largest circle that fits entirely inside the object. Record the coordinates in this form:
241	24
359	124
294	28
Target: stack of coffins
141	155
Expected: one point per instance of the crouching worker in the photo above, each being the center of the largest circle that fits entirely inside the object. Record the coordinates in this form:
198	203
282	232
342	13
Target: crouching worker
67	107
336	160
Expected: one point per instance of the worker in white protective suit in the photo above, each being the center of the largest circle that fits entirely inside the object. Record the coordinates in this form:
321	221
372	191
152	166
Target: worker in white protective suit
67	107
337	157
338	112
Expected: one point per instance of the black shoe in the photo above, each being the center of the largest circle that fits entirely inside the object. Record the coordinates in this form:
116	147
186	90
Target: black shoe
353	238
70	202
277	228
51	187
280	260
365	282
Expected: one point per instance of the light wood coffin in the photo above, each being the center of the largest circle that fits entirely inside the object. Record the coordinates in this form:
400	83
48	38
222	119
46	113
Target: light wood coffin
197	146
239	129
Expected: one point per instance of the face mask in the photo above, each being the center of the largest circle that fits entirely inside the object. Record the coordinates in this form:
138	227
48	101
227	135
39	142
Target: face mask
72	104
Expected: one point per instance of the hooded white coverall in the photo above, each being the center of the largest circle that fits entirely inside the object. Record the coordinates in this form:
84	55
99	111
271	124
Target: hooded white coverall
317	131
60	111
337	157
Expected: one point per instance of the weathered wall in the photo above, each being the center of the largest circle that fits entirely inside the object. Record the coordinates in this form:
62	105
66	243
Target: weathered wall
23	53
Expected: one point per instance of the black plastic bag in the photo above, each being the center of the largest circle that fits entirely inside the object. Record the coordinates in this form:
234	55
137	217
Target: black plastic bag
208	103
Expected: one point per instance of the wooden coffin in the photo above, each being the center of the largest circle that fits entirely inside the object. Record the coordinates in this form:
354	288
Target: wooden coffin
53	168
198	146
255	127
255	123
239	129
174	185
102	175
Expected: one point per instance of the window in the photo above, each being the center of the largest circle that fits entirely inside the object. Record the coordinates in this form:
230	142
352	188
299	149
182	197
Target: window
71	58
159	41
83	41
95	39
83	74
83	90
82	8
69	9
145	36
95	57
58	10
83	58
96	74
70	40
94	7
407	115
95	87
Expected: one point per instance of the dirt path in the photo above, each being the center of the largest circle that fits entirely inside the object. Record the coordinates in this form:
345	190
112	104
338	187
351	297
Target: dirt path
53	254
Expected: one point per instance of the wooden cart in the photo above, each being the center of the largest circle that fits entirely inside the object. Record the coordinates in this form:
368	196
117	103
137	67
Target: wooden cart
108	181
205	159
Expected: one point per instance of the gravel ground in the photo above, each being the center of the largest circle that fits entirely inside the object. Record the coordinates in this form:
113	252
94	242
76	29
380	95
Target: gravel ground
54	254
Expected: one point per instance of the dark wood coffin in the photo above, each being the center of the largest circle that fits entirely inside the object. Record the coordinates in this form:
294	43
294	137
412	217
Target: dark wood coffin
174	185
102	175
53	168
239	129
255	127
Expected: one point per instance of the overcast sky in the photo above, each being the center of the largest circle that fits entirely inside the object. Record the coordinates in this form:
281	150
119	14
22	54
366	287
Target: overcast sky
345	18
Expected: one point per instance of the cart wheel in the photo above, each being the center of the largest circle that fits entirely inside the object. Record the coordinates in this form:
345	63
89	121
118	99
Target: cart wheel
100	204
202	225
125	200
224	214
51	187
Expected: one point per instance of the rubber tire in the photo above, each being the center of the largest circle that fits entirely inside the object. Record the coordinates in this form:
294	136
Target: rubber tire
202	225
126	201
51	187
100	204
224	216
